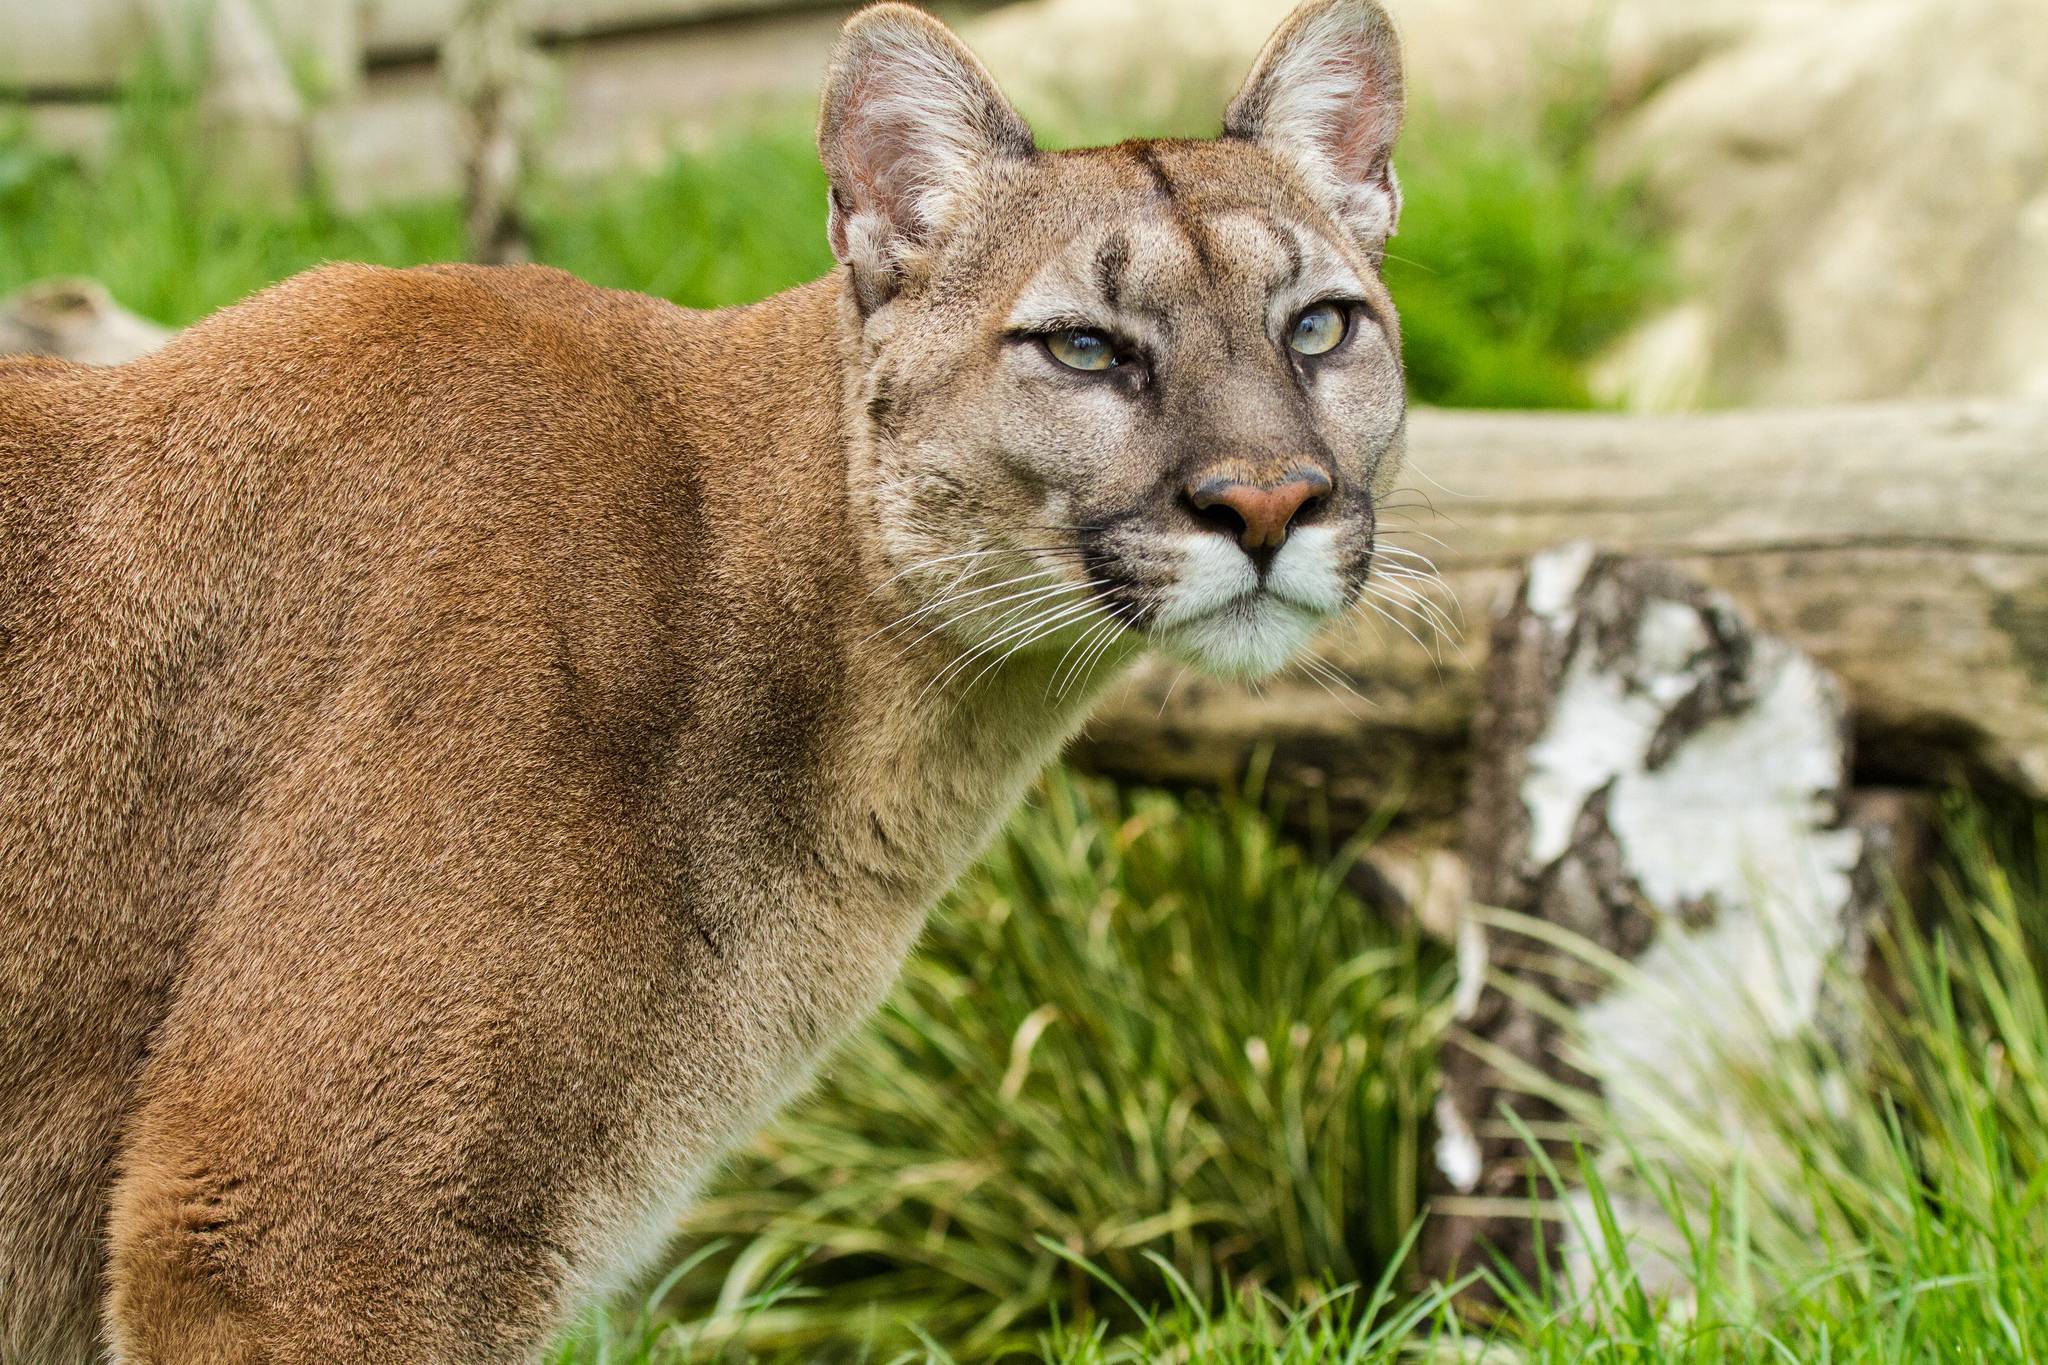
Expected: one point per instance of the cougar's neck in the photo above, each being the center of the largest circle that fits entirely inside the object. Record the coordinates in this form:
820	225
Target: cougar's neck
913	770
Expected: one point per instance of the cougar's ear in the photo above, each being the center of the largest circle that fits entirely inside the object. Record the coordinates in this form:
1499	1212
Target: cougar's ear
1326	97
909	117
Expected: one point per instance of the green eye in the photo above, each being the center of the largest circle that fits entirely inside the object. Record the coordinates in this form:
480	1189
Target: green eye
1082	350
1319	330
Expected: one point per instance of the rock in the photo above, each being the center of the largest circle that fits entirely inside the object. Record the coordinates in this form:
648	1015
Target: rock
1860	198
74	320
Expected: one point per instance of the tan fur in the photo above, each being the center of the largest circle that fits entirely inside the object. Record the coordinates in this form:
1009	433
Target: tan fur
469	741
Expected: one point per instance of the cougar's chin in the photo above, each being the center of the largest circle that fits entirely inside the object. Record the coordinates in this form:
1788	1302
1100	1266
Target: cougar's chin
1253	637
1226	617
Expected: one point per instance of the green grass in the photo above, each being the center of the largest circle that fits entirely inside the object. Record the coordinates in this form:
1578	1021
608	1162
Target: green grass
1142	1028
1149	1048
1155	1090
1514	265
173	240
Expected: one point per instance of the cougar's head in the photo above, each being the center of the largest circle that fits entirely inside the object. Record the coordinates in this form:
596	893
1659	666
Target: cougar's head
1138	392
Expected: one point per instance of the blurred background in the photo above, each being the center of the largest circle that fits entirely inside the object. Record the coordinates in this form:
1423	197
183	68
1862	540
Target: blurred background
1646	204
1167	1080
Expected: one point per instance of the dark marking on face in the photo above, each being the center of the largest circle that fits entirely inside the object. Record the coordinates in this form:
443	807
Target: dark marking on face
1147	158
1191	227
1110	264
1356	569
882	405
1290	243
1103	564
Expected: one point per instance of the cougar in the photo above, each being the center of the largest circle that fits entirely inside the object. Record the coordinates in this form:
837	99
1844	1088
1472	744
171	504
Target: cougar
470	741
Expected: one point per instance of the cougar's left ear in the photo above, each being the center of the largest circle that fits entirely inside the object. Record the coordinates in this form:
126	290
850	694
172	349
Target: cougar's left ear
909	118
1326	97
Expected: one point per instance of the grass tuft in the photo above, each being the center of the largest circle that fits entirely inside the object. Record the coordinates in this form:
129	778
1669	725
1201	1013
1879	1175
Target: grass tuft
1149	1037
1143	1184
1515	266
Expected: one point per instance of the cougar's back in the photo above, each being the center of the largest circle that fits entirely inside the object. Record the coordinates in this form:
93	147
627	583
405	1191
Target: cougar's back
315	526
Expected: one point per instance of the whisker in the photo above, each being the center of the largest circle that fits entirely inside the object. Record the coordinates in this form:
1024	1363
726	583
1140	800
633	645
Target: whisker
1419	569
1007	633
1402	595
1407	588
951	596
1419	588
1406	552
1085	672
1403	627
1409	562
1424	502
1086	616
1323	673
1059	668
1028	596
1343	679
1413	531
1173	687
1056	624
924	564
1079	650
1096	657
1450	492
1410	260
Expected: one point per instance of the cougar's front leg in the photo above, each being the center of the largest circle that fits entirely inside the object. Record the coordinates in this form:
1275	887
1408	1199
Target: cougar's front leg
342	1158
223	1253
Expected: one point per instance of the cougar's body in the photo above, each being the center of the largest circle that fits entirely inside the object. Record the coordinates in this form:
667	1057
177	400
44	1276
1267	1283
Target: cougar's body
470	741
414	778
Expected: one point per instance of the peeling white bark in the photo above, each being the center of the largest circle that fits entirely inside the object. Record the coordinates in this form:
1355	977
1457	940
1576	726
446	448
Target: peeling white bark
1662	784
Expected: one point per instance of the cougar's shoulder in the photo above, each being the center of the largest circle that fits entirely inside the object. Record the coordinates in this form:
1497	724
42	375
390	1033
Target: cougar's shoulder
512	515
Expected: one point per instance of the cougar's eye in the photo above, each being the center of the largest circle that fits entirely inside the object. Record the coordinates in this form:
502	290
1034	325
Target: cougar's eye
1082	350
1319	330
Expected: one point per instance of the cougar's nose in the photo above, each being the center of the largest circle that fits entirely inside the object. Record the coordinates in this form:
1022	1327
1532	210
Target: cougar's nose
1258	513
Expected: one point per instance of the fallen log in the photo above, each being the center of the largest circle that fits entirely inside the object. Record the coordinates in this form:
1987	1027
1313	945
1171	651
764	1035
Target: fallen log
1904	547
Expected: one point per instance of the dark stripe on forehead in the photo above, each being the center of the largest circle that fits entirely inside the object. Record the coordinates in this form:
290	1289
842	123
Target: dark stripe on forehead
1110	264
1191	226
1290	245
1147	157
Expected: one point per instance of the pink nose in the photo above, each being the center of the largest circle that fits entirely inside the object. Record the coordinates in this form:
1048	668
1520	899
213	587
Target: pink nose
1259	514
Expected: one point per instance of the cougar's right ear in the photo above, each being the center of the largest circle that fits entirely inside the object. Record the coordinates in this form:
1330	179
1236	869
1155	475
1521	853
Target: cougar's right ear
1326	97
909	116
